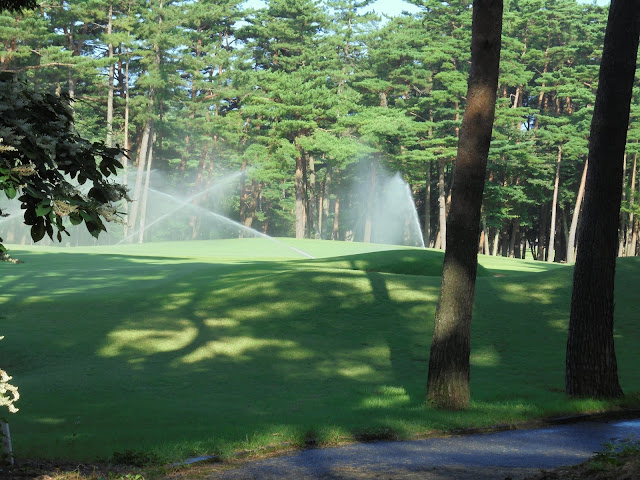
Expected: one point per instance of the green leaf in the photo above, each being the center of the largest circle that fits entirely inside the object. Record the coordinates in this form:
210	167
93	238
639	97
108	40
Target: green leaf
75	218
38	231
43	209
10	192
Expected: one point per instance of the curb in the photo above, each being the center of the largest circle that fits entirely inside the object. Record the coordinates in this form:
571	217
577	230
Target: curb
531	424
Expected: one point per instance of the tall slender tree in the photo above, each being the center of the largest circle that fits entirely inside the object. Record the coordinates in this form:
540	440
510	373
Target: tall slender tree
448	380
591	366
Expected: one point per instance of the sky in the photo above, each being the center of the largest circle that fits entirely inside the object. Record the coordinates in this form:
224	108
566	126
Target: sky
395	7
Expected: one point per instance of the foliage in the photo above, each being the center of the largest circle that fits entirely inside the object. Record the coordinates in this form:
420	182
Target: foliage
51	170
319	86
615	453
8	392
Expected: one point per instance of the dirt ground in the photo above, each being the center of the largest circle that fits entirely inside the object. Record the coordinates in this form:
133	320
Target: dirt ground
626	469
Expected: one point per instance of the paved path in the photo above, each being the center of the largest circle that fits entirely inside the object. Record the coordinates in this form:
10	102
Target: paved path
509	454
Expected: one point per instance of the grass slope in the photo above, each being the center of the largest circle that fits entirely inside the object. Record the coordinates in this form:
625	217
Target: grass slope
182	349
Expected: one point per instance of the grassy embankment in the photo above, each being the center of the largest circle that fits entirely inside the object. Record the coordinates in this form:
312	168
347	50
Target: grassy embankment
209	347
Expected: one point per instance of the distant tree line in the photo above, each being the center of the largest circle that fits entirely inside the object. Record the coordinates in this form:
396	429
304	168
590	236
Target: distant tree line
304	96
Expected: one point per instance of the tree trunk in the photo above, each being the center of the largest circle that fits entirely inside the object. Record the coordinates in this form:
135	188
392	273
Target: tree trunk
542	233
145	192
335	231
300	195
370	200
591	366
631	242
110	86
622	233
326	200
312	201
442	206
448	377
496	242
427	207
127	147
565	233
554	208
571	245
252	203
486	235
142	158
515	235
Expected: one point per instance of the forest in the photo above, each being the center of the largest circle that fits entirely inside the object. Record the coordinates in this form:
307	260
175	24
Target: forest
312	101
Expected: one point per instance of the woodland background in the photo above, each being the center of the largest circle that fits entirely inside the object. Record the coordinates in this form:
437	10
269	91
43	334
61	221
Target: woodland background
312	101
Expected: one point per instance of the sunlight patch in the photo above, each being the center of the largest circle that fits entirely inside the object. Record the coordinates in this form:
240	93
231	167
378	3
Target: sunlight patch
220	322
485	357
386	396
235	347
356	371
149	341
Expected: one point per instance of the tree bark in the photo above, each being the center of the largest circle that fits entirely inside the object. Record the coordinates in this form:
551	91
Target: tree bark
145	193
448	377
542	233
326	200
591	365
495	244
631	243
335	231
622	233
554	209
300	195
485	243
142	158
427	207
369	208
571	246
515	238
442	206
110	86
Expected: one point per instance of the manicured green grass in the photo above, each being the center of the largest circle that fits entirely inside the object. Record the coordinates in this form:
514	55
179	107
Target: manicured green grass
182	349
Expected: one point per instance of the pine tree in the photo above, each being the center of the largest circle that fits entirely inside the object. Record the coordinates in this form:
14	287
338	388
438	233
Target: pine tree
591	366
448	380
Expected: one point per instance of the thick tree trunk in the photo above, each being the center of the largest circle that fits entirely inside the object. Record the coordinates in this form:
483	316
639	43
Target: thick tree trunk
571	245
554	209
442	206
448	377
591	366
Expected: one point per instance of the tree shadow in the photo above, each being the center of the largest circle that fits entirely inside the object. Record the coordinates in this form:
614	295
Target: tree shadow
197	357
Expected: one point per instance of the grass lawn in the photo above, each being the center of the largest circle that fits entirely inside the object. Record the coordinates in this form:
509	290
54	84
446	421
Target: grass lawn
182	349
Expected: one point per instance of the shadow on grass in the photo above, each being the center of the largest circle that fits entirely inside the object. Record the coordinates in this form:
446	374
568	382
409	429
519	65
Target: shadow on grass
184	358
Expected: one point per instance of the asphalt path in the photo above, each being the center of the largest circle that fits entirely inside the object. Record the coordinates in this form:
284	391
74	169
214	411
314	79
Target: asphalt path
507	454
